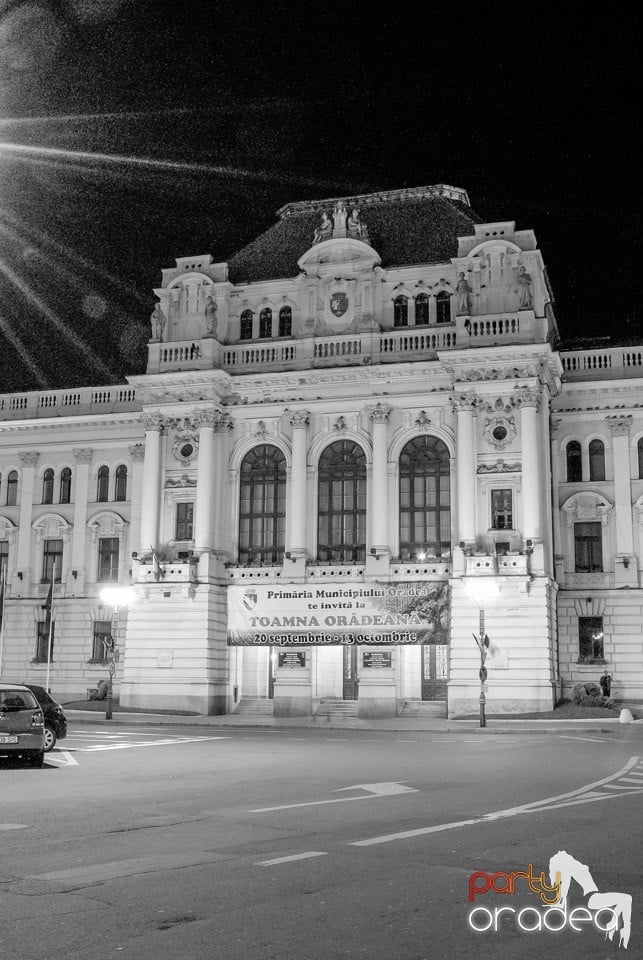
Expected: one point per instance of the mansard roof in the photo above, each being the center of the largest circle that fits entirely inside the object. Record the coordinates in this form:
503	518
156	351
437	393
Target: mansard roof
408	226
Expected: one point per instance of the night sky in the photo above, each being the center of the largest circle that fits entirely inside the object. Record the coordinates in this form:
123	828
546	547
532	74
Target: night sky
248	105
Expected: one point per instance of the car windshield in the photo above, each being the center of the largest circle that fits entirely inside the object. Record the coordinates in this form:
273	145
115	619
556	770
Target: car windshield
17	700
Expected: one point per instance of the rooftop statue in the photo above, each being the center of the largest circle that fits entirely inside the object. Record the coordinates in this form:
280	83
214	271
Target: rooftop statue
523	282
324	230
356	228
158	323
210	317
463	291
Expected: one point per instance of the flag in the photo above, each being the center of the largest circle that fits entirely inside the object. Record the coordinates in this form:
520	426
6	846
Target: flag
158	572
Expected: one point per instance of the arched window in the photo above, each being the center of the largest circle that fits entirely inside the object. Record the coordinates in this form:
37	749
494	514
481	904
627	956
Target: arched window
401	312
12	488
120	492
640	451
574	462
341	536
443	307
285	322
65	485
421	309
245	332
102	488
265	323
262	506
596	460
48	486
425	499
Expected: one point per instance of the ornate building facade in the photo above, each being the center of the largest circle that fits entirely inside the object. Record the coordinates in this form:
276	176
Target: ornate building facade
356	444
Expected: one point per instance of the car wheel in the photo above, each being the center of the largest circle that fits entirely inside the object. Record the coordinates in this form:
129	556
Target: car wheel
36	759
50	738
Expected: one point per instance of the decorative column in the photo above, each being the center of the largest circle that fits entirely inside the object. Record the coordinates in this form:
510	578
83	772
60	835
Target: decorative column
532	528
29	461
464	404
625	566
83	458
206	502
379	490
221	426
151	506
298	484
137	456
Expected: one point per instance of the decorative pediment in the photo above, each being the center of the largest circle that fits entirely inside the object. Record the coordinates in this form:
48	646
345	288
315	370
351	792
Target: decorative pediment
587	507
107	523
339	257
51	526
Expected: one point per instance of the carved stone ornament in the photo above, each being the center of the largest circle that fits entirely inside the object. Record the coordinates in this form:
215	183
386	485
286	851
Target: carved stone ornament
499	467
153	421
136	452
464	401
84	455
222	424
422	421
29	458
261	430
340	425
619	426
185	448
380	413
183	481
499	431
528	397
299	419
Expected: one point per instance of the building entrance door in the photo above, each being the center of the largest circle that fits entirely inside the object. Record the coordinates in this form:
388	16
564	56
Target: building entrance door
351	679
435	671
272	671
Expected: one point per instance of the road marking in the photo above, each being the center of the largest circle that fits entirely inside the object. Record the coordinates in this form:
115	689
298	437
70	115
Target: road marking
295	856
14	826
586	794
588	739
406	741
375	790
146	743
61	758
336	739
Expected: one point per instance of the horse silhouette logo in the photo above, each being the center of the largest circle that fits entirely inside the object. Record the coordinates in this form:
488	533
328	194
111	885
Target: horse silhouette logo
563	868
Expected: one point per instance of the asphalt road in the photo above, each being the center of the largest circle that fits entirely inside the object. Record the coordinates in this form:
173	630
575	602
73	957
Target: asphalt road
180	843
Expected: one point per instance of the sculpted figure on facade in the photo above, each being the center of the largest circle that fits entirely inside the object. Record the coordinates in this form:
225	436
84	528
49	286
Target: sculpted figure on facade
339	218
356	228
158	323
210	317
463	290
324	230
524	284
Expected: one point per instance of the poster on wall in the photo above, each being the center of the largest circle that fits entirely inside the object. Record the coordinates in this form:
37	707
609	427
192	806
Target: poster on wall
371	613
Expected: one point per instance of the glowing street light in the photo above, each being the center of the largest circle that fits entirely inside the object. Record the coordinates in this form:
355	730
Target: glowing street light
482	591
114	597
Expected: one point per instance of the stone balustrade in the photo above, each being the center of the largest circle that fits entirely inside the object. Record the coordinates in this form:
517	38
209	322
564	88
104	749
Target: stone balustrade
69	403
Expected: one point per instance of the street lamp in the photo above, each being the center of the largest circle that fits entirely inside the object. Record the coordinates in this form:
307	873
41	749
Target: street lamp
114	597
482	591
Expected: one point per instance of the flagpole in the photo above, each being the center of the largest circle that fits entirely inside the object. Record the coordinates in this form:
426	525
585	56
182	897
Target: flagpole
2	592
51	624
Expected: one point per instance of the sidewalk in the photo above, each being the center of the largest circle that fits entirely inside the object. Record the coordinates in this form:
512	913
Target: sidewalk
598	727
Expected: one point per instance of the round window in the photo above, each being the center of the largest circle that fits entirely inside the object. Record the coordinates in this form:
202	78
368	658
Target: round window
187	450
499	433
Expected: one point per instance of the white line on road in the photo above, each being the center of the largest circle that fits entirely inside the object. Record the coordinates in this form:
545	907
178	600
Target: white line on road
61	758
146	743
295	856
374	790
589	739
14	826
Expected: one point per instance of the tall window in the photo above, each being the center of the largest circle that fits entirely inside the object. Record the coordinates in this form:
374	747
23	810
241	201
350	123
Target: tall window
425	499
342	503
262	506
590	640
640	452
12	488
184	521
596	460
48	486
52	555
108	559
42	642
245	331
501	510
102	637
401	312
4	561
285	322
65	485
574	462
421	309
120	491
588	547
265	323
443	307
102	486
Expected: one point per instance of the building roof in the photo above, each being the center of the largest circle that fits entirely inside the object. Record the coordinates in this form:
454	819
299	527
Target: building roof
408	226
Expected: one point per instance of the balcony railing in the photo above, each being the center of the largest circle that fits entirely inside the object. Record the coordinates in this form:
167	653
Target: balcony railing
613	363
68	403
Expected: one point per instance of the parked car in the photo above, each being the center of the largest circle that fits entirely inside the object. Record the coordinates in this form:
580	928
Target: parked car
22	730
55	719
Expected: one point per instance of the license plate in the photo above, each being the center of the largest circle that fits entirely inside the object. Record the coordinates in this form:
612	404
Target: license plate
8	739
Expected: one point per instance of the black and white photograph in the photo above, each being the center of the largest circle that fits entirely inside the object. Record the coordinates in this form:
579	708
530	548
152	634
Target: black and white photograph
321	481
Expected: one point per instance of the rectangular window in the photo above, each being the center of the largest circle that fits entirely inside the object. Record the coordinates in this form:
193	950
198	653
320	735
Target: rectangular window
42	642
108	559
184	521
4	558
501	510
590	640
588	548
52	556
102	634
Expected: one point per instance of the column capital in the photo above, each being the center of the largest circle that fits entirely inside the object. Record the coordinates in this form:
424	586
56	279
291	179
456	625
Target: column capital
299	419
207	418
137	452
528	397
222	423
29	458
83	455
462	402
153	421
380	413
619	426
